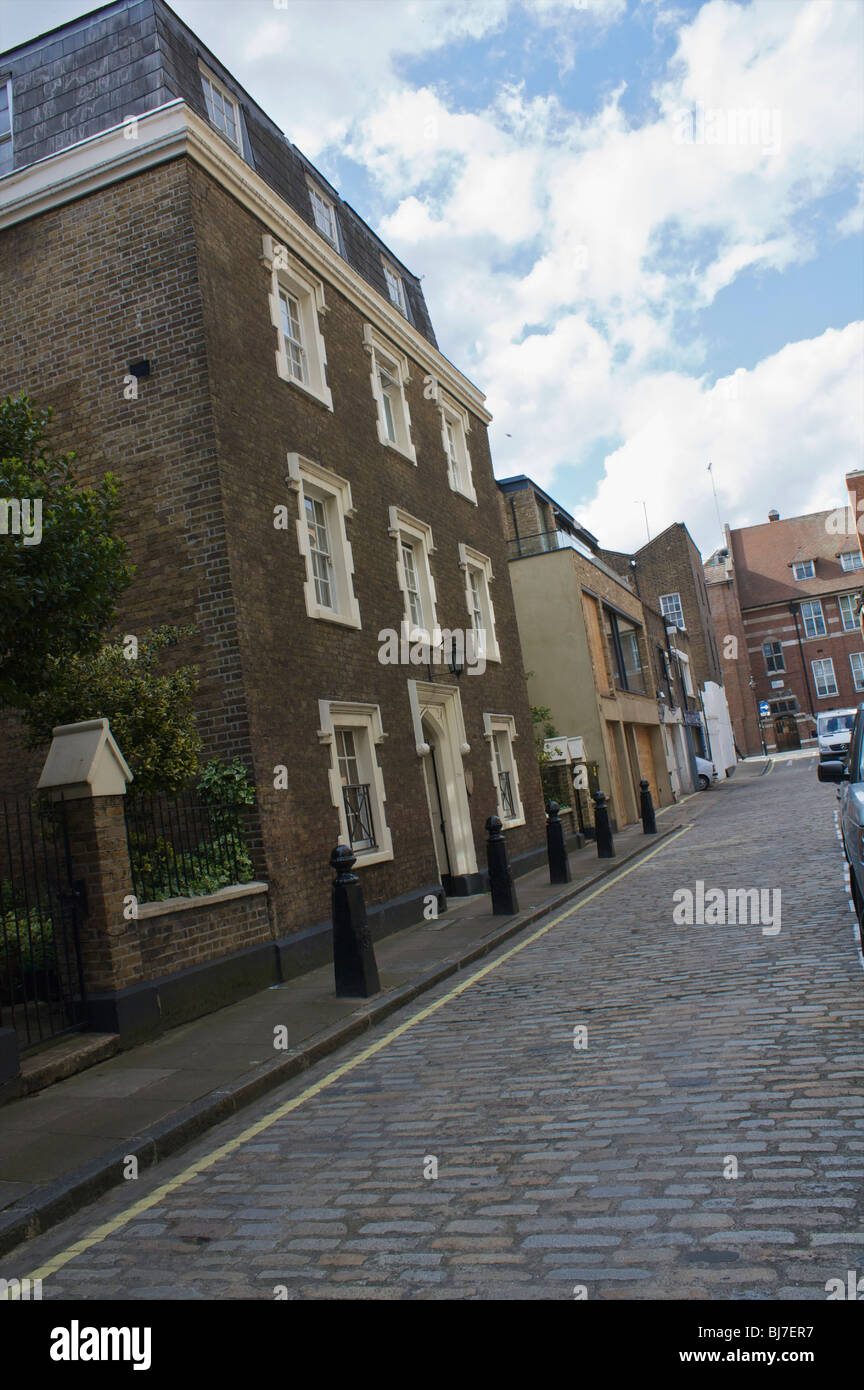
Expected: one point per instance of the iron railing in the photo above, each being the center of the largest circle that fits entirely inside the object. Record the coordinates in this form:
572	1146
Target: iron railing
505	786
186	845
358	814
41	981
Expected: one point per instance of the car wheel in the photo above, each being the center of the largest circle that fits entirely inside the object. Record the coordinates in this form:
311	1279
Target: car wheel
703	782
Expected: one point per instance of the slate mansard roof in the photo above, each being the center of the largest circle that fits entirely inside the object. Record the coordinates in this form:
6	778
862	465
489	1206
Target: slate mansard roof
133	56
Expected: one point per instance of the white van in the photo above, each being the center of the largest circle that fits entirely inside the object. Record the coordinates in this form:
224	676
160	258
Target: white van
833	731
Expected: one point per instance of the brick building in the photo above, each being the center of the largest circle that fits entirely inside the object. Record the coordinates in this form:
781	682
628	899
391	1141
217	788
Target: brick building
667	573
302	469
588	652
787	593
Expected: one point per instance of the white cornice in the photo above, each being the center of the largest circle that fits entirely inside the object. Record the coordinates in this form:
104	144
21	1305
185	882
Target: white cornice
173	130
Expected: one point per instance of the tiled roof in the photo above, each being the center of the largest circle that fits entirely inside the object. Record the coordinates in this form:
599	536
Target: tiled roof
762	557
133	56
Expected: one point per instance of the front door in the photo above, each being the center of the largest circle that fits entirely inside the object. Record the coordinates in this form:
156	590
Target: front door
437	818
786	732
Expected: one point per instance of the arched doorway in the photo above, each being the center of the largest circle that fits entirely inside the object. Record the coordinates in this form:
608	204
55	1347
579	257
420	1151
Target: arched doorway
436	798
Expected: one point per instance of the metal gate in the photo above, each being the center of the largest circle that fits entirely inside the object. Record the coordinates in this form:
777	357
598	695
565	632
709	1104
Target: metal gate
41	980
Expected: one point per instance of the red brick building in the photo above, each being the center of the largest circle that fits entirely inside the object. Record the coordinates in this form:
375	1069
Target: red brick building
302	470
785	599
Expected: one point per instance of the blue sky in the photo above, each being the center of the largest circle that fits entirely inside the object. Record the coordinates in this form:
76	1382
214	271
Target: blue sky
634	299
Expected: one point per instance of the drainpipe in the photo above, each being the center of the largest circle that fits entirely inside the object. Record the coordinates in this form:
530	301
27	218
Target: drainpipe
794	611
515	524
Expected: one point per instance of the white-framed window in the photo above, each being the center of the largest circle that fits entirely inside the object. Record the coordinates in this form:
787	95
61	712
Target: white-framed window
856	660
477	569
324	214
670	607
823	676
848	605
851	560
6	153
500	732
222	109
395	287
323	505
414	546
454	435
296	300
353	732
774	659
803	569
813	618
389	377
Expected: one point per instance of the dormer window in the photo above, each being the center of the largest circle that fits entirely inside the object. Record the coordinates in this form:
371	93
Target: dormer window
222	109
803	569
324	215
851	560
5	126
395	288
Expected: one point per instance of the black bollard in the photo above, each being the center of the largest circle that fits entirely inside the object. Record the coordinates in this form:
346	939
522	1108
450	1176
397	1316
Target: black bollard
353	953
605	846
646	809
504	901
559	864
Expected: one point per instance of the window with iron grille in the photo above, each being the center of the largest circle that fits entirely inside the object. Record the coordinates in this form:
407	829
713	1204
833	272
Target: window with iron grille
773	654
813	619
353	731
848	605
500	730
823	676
355	793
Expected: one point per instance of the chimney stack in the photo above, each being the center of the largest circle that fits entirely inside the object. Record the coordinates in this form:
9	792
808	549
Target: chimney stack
773	515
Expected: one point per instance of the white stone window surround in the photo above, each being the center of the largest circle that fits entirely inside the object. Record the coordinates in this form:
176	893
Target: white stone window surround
409	528
471	559
306	475
287	273
461	424
365	720
379	348
504	724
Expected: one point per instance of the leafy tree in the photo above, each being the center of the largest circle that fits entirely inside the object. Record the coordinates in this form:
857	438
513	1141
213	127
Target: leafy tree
151	712
59	590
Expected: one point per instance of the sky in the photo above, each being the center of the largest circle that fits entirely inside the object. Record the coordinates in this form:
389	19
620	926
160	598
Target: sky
639	224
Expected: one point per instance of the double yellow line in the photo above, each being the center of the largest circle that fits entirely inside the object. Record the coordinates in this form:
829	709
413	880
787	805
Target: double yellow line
203	1164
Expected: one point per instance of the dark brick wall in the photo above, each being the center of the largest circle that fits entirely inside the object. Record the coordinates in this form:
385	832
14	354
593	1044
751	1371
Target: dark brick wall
174	941
201	456
668	564
291	661
81	299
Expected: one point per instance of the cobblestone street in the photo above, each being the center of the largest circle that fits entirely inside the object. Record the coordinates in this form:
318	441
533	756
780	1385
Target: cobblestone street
609	1166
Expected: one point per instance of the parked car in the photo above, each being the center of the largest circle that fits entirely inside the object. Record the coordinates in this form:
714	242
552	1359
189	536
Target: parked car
833	733
849	774
706	773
